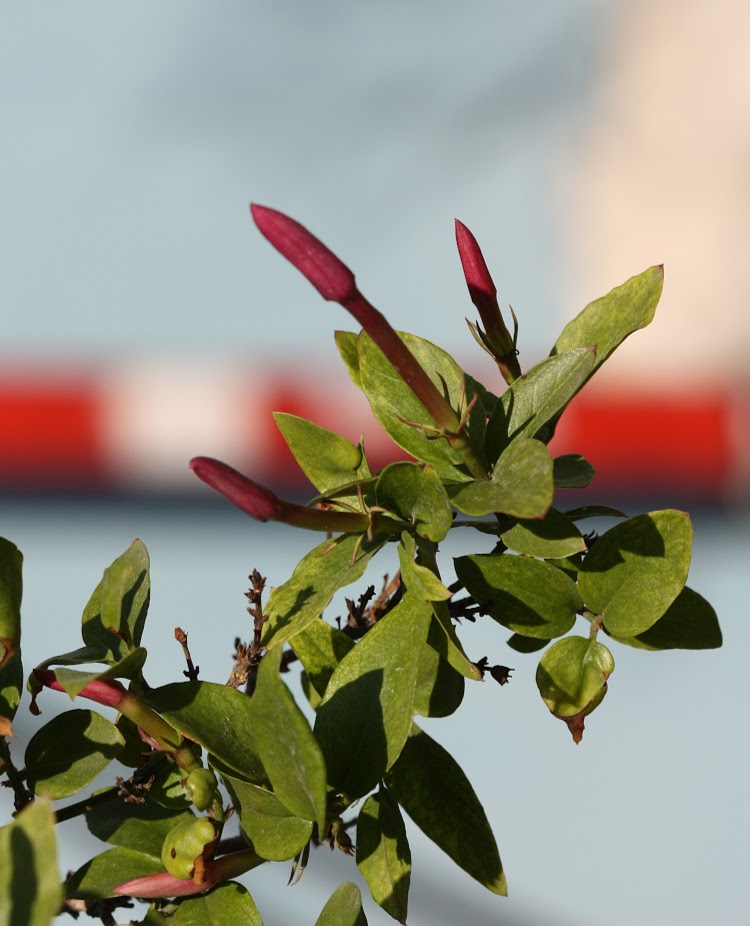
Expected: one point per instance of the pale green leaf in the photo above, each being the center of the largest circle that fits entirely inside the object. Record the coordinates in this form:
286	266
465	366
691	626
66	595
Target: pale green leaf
419	580
344	907
383	854
99	877
688	623
571	674
320	648
228	904
414	493
552	536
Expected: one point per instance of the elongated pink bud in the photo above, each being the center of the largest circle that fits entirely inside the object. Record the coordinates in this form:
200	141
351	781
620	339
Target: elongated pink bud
108	692
329	275
163	884
263	505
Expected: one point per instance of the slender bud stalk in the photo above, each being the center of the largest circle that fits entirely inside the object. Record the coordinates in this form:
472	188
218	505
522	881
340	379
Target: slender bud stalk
335	282
495	338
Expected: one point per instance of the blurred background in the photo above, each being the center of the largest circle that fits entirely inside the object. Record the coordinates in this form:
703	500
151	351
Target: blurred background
147	321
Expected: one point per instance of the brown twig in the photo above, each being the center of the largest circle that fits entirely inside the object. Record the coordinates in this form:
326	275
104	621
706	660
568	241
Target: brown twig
182	639
247	657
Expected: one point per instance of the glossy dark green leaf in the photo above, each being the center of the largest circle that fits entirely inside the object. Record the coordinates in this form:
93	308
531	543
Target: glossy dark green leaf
132	825
552	536
537	396
99	877
414	493
11	668
606	322
347	343
572	471
344	907
521	484
383	854
571	674
30	889
318	575
440	688
217	717
593	511
286	745
522	644
432	788
275	834
327	459
67	753
688	623
227	904
419	580
116	612
320	647
636	570
365	717
129	667
527	596
393	403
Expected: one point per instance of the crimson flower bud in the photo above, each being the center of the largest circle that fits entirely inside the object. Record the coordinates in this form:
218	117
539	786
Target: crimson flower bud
108	692
163	884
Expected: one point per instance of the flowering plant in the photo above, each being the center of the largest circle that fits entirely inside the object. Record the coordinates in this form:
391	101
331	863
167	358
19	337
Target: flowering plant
202	753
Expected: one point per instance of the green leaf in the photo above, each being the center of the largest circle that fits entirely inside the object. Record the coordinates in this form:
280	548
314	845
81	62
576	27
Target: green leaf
448	645
318	575
116	612
636	570
606	322
347	343
568	564
553	536
432	788
69	752
134	826
537	396
11	668
327	459
383	854
521	484
572	471
289	752
344	907
524	595
415	494
523	644
593	511
167	789
128	667
99	877
393	403
440	688
320	648
688	623
218	718
275	833
364	719
571	674
419	580
227	904
30	889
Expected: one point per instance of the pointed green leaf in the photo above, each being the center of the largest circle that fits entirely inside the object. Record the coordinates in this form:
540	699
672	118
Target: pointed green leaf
11	668
440	688
393	403
217	717
552	536
99	877
537	396
132	825
69	752
419	580
228	904
432	788
30	889
289	752
448	645
129	667
318	575
364	719
116	612
525	595
521	484
327	459
572	471
523	644
415	494
344	907
275	833
688	623
636	570
383	854
320	648
593	511
606	322
347	343
572	673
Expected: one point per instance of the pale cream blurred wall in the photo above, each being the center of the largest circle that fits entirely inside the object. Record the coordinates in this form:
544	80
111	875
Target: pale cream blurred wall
661	174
